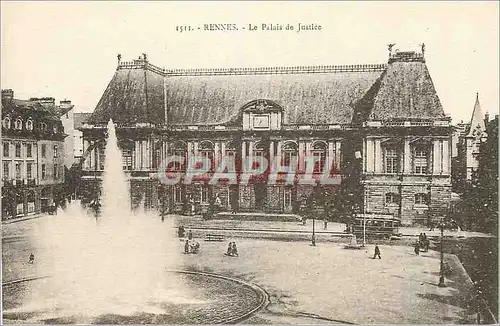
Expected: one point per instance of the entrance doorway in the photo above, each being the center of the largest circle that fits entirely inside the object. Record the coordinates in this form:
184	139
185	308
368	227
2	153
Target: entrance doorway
260	196
234	197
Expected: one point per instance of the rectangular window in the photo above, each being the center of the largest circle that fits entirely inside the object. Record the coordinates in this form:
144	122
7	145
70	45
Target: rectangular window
44	172
44	150
126	159
55	174
6	170
287	197
421	161
421	199
6	149
18	150
391	160
29	150
29	171
177	194
319	159
204	195
55	150
102	158
18	170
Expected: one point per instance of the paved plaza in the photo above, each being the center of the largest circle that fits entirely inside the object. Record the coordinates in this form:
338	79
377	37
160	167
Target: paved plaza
309	284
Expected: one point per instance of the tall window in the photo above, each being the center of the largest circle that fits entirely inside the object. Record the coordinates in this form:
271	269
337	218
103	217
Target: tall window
43	126
29	150
18	150
206	150
421	161
55	172
6	170
44	172
19	124
319	153
102	158
421	199
18	170
204	195
391	198
44	150
29	172
391	160
178	198
56	151
177	149
289	153
127	159
6	149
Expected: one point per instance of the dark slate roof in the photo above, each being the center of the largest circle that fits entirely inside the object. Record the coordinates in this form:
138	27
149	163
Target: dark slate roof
403	89
132	96
315	98
80	118
22	106
406	92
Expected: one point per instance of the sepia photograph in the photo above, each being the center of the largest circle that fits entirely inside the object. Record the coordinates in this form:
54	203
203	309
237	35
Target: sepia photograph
252	162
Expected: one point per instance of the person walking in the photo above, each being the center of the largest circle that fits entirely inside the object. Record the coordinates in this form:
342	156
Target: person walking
190	235
377	252
234	250
417	248
229	249
186	247
31	259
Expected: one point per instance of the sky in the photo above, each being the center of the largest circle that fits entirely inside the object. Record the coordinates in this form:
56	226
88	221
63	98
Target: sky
67	50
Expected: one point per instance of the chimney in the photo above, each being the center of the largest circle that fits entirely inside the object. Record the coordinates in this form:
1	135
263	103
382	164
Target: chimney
486	117
7	95
65	104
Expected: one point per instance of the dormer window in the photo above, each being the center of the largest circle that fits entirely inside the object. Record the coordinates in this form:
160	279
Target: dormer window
391	199
6	123
19	124
29	124
43	126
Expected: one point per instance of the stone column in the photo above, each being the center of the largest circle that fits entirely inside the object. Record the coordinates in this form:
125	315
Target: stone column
271	152
436	158
330	159
338	154
370	155
407	157
446	157
378	157
92	158
217	155
302	153
137	155
243	151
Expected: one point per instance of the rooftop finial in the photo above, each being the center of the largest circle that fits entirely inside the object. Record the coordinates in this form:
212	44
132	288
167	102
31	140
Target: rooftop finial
144	56
422	46
389	47
119	57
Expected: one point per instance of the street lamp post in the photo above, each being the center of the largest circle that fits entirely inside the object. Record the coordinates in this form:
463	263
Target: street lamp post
441	270
313	239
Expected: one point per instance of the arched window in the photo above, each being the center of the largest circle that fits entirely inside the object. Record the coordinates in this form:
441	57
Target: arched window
289	153
6	123
319	150
178	148
391	198
29	124
260	149
206	149
19	124
421	199
231	148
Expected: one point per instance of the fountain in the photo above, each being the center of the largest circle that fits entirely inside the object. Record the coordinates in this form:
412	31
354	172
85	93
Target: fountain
116	269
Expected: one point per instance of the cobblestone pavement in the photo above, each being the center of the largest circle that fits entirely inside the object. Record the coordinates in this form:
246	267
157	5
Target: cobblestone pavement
324	283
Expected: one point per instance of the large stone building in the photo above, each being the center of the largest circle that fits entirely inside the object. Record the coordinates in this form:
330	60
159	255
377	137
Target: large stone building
385	120
32	155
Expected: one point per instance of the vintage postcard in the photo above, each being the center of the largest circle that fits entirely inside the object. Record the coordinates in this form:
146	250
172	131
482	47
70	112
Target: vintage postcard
249	162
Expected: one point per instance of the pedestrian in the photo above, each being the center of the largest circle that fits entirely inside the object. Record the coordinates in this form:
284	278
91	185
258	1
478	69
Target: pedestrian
186	247
181	232
190	235
229	249
326	224
377	252
217	204
417	248
234	250
31	259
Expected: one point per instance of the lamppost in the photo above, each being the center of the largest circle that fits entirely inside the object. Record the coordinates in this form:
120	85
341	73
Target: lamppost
441	270
313	239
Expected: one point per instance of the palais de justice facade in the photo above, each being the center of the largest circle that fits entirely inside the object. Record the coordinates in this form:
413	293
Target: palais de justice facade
386	119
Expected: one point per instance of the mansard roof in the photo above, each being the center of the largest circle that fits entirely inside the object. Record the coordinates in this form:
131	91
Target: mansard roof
140	92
